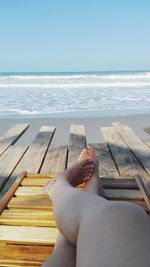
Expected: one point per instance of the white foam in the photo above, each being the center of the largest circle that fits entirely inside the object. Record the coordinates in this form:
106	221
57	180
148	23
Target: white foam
77	85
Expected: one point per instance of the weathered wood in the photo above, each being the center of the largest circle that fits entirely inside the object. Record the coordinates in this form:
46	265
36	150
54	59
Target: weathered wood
55	160
140	150
34	157
107	166
120	183
77	142
11	191
12	135
30	202
9	161
28	235
144	190
126	162
123	194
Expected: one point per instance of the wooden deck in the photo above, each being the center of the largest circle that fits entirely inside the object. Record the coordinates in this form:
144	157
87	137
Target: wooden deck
27	227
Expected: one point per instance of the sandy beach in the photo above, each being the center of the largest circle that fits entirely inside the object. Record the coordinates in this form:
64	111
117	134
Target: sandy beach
92	127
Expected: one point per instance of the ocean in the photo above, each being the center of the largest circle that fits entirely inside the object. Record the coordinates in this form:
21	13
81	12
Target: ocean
76	94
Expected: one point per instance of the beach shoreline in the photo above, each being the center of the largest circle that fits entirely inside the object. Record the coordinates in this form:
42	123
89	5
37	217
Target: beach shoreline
62	124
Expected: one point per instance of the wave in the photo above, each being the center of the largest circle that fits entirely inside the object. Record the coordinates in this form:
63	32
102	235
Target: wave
114	76
78	85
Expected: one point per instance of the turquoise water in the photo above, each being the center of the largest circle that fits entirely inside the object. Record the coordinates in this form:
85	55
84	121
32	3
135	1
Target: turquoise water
75	94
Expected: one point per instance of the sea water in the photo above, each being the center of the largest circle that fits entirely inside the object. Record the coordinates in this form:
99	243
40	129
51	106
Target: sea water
78	94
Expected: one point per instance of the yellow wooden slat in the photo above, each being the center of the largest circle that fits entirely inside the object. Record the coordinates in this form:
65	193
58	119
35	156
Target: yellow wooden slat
24	252
28	235
30	202
35	181
27	218
29	191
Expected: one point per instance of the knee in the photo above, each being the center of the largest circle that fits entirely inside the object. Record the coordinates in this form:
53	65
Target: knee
126	213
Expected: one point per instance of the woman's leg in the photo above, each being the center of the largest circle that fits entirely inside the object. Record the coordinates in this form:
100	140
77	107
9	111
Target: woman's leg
106	233
70	204
64	254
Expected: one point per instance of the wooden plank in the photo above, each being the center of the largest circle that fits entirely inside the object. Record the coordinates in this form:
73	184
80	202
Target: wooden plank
24	252
28	222
30	202
140	150
126	162
19	263
55	160
35	181
12	135
11	191
9	161
123	194
26	213
34	157
77	143
29	191
107	166
120	183
144	190
28	235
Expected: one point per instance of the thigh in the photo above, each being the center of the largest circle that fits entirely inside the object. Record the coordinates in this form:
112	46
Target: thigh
115	234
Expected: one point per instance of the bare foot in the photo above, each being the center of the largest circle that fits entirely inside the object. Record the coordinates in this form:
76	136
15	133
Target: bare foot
75	175
88	152
94	185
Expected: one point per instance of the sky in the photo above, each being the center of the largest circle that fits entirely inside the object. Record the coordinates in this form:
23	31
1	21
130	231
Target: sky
74	35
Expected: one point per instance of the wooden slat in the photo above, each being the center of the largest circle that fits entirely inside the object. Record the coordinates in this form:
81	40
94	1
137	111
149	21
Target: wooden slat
36	152
11	191
28	221
122	194
119	183
107	166
12	135
35	181
28	235
126	162
55	160
30	202
20	263
140	150
77	143
9	161
26	213
144	190
24	252
33	158
29	191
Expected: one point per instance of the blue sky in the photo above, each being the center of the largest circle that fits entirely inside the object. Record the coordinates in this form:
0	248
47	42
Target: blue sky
79	35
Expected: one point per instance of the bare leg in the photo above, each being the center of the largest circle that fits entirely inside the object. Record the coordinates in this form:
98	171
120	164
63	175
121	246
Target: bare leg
64	254
93	185
106	233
